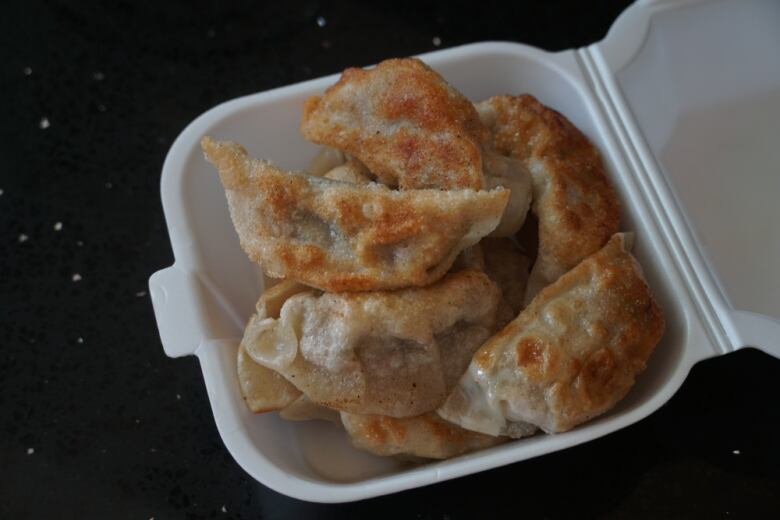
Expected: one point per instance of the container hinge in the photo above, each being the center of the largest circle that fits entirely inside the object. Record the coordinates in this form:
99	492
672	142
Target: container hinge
653	189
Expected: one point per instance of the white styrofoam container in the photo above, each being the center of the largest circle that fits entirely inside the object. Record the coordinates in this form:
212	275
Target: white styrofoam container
682	99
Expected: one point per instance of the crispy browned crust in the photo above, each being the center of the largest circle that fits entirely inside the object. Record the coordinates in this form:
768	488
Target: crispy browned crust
576	205
577	348
426	435
403	121
338	236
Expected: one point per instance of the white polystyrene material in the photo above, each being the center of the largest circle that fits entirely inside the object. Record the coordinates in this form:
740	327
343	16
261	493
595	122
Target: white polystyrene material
296	458
700	100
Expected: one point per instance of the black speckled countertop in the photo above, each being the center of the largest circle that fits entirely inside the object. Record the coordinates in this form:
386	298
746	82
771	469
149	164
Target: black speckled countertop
95	421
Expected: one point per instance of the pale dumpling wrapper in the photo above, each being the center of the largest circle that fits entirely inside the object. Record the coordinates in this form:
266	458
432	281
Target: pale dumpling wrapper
263	389
396	353
509	173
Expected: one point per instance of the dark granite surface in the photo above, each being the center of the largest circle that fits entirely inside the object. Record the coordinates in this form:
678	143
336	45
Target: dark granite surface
95	422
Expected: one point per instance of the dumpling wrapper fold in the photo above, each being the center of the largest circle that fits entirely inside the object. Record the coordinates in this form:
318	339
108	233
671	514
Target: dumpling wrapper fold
263	389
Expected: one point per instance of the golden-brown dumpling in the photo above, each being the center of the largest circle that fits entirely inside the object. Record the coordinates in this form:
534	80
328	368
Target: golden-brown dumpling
404	122
340	236
575	204
569	356
396	353
428	436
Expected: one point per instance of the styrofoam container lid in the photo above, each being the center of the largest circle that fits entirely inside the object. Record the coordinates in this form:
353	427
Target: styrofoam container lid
697	90
682	99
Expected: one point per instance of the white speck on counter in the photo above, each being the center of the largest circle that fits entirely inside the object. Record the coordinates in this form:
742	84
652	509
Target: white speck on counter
138	421
76	277
321	21
178	397
30	451
23	237
44	124
211	33
99	76
109	185
1	192
224	509
736	452
140	294
101	107
436	41
79	340
79	243
27	71
57	226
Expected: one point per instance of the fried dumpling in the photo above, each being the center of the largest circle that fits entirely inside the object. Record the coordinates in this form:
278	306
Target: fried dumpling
339	236
569	356
428	436
575	204
396	353
404	122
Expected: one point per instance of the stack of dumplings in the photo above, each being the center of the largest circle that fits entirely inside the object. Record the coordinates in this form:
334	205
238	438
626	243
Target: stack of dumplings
413	309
